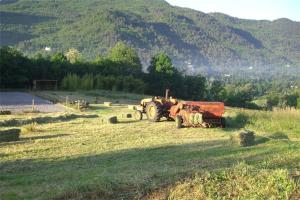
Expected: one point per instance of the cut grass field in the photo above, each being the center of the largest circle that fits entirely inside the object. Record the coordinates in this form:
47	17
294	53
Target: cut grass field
65	156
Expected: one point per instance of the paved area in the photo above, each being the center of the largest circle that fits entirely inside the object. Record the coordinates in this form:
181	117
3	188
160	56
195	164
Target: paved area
22	101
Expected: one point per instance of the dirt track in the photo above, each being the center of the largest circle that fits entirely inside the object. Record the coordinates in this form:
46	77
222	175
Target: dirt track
22	101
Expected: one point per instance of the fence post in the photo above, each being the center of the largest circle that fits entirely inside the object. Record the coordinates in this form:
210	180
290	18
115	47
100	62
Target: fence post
67	100
32	104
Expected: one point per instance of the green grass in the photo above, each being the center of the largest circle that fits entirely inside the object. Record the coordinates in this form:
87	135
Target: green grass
80	158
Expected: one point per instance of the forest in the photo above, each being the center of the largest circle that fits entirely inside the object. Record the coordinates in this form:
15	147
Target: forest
121	70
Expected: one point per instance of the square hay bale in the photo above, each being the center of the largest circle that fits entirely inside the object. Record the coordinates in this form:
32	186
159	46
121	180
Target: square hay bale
108	104
132	107
109	120
244	138
5	112
112	120
10	135
127	115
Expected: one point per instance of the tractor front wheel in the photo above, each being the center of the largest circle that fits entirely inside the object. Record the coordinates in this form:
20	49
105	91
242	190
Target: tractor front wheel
154	111
138	115
178	121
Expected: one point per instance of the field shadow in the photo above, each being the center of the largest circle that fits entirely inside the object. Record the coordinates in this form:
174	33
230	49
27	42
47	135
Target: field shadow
46	119
279	136
275	136
43	137
2	155
137	168
28	139
261	140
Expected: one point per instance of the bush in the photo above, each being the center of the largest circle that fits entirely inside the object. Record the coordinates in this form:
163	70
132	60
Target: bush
115	83
87	82
71	82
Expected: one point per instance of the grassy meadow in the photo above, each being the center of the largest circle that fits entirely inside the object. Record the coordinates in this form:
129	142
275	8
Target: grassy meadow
74	156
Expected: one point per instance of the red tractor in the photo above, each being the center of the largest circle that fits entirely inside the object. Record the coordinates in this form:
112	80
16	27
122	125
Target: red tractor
185	113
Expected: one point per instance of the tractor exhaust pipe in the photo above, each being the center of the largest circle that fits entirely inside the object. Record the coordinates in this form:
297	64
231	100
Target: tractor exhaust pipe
167	93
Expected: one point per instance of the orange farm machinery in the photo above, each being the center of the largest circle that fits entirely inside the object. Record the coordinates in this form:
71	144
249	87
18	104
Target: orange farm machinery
184	113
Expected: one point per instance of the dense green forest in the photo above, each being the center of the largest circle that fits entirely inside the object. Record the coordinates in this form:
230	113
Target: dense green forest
198	43
121	70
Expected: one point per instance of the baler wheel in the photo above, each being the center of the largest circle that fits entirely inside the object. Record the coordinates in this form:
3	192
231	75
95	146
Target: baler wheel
154	111
178	121
223	122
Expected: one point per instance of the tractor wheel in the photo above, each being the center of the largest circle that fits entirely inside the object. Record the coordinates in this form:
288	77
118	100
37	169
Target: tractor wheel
154	111
138	115
223	122
178	121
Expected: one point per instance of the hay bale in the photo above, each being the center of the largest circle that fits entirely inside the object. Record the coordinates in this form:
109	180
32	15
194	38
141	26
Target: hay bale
127	115
10	135
5	112
108	104
244	138
112	120
132	107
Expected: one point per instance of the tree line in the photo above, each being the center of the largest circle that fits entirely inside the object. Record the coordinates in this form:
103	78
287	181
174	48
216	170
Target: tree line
121	70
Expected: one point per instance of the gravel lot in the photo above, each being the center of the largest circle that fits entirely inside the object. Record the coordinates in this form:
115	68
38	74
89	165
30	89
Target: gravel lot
22	101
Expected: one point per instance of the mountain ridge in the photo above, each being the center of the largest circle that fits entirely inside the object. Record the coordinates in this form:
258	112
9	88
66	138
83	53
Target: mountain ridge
193	39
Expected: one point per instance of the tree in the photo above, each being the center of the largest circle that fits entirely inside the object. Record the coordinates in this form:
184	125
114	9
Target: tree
215	90
73	55
59	60
161	63
14	68
126	57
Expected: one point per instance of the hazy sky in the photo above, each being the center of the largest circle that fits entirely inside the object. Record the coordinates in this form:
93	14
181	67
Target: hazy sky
248	9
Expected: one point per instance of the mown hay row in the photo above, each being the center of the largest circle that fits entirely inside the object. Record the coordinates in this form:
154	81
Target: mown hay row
42	120
108	104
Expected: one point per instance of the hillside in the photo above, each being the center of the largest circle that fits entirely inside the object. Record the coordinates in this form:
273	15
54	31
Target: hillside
196	41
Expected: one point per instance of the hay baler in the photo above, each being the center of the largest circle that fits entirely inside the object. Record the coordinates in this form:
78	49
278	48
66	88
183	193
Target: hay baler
198	114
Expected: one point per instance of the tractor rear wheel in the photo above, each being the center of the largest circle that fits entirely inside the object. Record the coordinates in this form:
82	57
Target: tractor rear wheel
178	121
154	111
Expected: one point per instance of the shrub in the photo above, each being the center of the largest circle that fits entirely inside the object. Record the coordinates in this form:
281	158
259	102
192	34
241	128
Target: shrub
87	82
71	82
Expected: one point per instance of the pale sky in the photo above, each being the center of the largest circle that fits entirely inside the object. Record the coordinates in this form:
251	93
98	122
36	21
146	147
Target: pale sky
246	9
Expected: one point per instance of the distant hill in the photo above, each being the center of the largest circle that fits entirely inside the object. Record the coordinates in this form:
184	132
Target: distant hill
196	41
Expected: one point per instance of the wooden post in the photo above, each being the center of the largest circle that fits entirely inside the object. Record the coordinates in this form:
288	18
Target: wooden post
67	100
55	87
32	104
34	84
167	93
